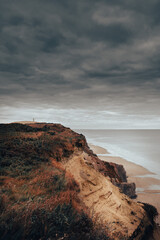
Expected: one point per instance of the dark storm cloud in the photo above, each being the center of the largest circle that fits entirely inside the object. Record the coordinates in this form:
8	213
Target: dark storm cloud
69	53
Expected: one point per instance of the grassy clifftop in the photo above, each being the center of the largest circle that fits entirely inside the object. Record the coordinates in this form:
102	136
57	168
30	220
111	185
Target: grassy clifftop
52	186
38	198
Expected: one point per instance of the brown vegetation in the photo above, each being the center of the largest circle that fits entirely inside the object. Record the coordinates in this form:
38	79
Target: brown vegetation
41	197
38	198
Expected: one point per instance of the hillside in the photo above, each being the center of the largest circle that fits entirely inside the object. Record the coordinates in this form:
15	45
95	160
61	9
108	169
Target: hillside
52	186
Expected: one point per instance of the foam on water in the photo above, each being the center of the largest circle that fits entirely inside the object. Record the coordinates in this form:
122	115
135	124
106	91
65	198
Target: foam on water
140	147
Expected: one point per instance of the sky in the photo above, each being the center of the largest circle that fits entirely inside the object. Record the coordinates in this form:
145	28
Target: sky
85	64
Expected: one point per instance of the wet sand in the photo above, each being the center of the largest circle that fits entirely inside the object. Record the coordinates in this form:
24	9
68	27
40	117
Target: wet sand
98	150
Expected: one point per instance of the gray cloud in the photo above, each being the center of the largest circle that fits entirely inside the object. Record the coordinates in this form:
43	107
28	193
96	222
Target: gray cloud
99	55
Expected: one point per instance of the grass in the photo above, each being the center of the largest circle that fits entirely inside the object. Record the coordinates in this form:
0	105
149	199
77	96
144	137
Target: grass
38	198
63	222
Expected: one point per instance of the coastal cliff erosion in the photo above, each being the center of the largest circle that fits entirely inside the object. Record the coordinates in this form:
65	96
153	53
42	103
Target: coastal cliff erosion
53	186
115	172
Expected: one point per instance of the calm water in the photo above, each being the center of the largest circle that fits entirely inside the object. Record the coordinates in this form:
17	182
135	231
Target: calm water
139	146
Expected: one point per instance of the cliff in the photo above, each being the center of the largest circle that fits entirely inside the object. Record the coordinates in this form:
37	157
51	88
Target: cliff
115	172
52	186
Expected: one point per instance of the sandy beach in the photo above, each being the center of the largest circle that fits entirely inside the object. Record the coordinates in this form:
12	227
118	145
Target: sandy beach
147	185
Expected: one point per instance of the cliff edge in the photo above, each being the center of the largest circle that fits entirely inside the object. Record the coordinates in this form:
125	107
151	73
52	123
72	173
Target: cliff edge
52	186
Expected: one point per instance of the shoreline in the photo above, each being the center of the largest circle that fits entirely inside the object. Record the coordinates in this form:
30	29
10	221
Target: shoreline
147	187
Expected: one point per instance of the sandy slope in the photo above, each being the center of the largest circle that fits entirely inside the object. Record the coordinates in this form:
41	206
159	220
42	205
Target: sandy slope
144	183
104	200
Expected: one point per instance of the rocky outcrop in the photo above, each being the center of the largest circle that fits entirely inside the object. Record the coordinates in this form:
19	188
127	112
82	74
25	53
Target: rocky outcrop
115	172
119	169
127	188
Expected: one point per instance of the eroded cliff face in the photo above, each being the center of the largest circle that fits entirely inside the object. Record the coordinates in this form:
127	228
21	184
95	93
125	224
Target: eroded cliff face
44	165
122	217
115	172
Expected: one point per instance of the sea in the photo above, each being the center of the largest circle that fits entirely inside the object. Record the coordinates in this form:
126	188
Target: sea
138	146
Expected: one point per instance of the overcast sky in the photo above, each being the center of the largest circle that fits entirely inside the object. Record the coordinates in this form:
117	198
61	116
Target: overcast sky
85	64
